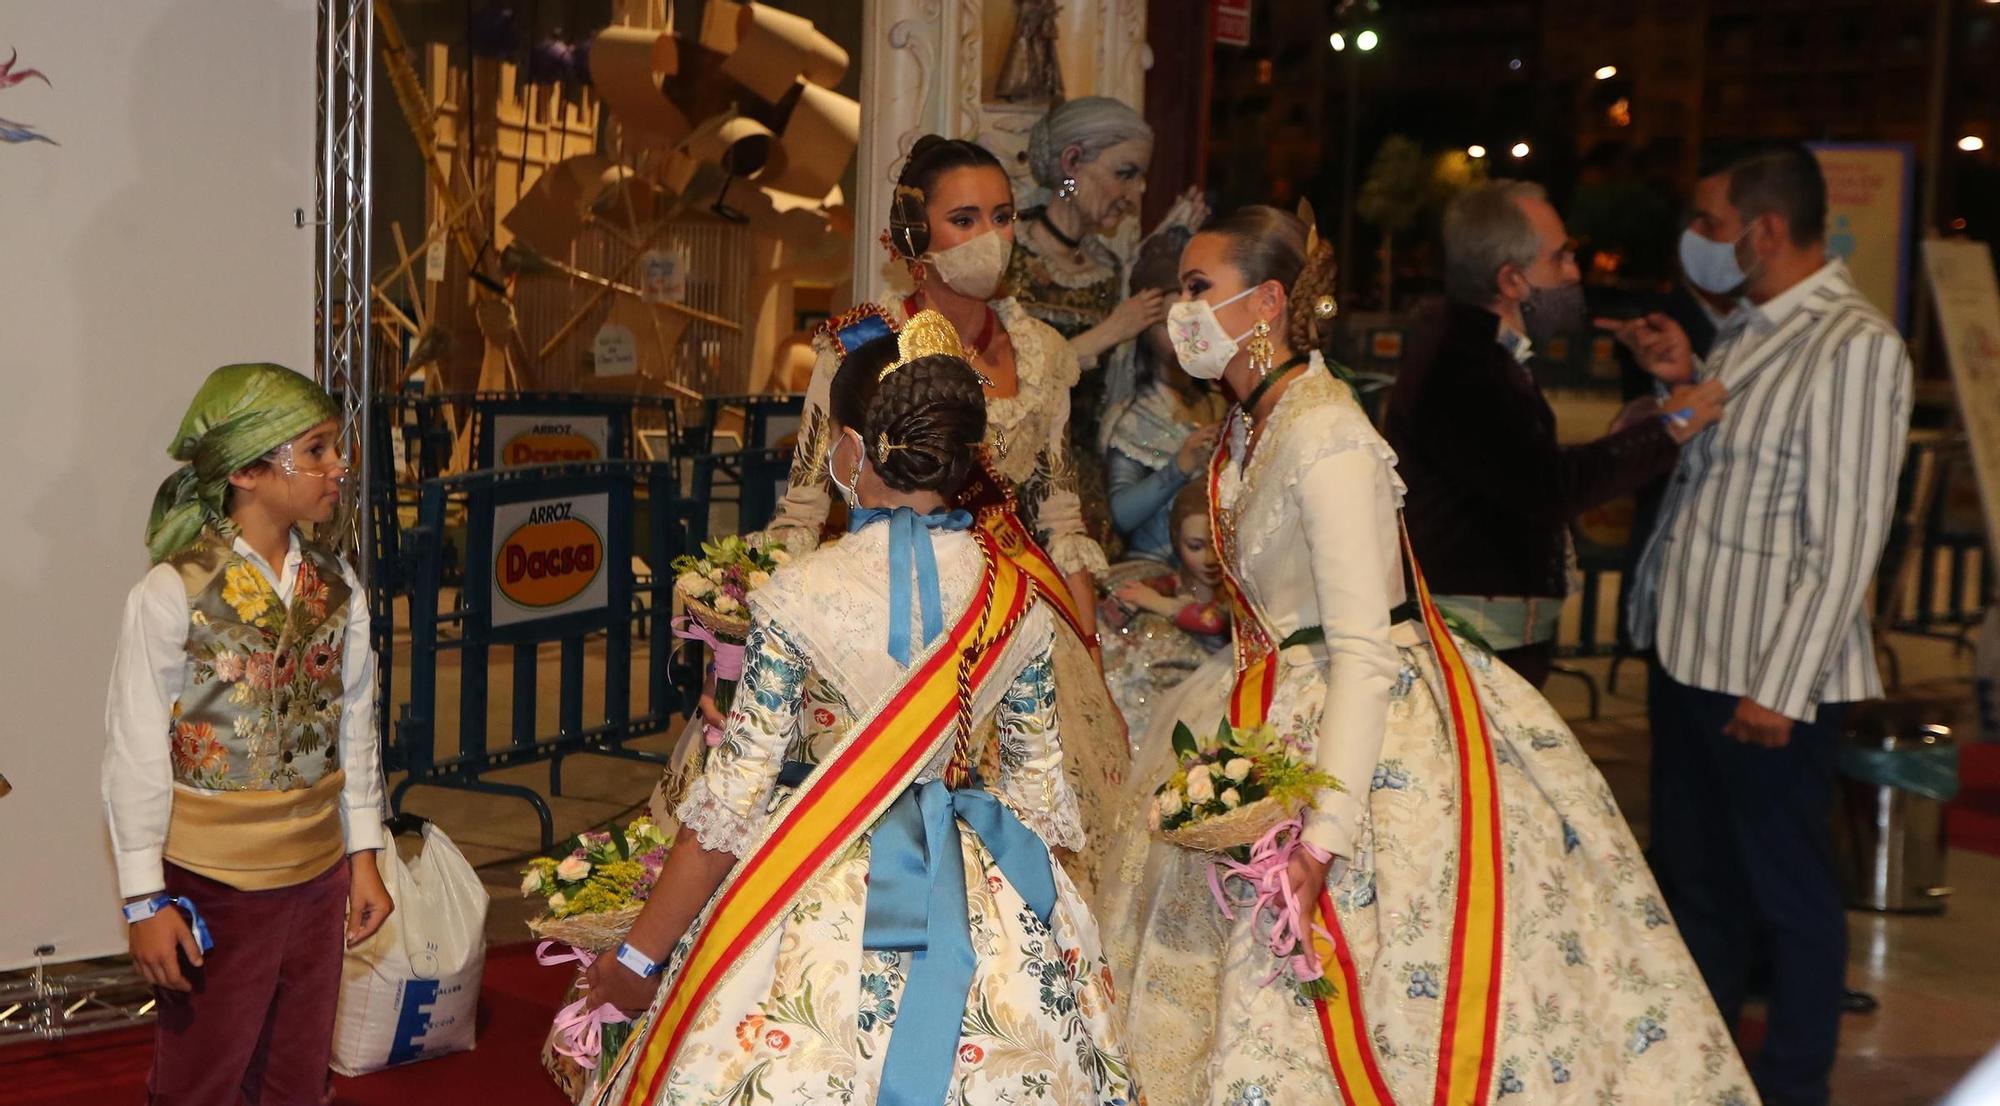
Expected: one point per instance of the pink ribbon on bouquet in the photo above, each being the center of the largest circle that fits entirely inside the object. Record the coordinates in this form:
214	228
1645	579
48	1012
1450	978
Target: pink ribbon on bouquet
728	662
1290	934
579	1032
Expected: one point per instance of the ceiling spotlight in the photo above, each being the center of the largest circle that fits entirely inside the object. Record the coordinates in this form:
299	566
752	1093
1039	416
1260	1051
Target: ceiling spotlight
1972	143
1366	40
1606	72
1513	63
1475	151
1337	40
1520	150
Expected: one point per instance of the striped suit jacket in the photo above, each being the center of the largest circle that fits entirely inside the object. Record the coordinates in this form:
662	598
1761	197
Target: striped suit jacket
1753	582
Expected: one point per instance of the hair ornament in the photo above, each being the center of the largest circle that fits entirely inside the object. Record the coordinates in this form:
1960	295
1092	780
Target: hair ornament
926	334
884	447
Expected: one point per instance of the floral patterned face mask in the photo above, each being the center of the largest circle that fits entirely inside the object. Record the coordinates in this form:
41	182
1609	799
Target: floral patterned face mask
1203	348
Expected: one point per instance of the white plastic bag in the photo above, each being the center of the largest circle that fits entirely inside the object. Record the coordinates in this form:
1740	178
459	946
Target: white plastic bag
411	992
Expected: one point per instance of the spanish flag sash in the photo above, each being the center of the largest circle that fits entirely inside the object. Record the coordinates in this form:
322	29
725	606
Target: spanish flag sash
989	497
1472	992
839	802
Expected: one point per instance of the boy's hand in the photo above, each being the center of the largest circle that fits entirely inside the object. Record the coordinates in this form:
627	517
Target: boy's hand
368	902
157	945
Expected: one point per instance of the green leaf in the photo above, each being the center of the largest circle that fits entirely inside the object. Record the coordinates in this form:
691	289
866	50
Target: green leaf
1184	743
618	839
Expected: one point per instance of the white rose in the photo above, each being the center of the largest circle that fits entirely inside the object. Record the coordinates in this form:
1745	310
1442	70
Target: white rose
573	869
1170	804
531	882
779	556
1231	799
758	578
1200	787
1238	769
727	604
557	901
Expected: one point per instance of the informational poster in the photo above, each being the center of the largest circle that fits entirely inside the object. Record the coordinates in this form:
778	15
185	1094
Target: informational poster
615	352
1968	311
1869	190
530	439
1232	22
548	558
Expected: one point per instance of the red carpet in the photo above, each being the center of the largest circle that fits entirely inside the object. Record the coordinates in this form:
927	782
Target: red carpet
1972	821
516	1003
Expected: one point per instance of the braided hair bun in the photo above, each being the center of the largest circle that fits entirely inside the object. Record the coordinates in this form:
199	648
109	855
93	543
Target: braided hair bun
921	424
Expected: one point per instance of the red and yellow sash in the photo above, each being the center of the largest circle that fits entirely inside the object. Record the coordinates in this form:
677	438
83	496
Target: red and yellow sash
1472	992
991	500
838	803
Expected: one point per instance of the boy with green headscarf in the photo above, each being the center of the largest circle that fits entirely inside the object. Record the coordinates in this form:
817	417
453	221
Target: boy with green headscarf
242	779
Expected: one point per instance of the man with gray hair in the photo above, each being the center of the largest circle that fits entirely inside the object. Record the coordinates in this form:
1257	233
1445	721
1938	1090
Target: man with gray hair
1491	490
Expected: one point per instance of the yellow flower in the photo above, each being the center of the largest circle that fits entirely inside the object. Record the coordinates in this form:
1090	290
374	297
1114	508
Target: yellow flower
243	589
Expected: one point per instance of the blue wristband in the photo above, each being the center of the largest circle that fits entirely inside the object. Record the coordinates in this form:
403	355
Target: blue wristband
146	908
641	965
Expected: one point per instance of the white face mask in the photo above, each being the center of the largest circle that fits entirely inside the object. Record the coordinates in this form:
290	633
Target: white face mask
847	493
1710	265
1203	348
973	268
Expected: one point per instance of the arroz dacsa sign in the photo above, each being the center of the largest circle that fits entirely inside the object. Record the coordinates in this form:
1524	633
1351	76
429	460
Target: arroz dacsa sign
549	558
549	440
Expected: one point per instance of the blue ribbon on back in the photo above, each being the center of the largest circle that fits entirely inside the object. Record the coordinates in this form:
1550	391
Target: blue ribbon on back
916	904
906	552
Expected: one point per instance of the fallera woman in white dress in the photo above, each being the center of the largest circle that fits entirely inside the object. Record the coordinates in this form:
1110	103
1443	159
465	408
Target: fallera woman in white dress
885	926
952	226
1495	933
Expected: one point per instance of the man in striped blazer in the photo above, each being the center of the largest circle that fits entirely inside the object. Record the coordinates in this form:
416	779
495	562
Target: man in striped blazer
1751	591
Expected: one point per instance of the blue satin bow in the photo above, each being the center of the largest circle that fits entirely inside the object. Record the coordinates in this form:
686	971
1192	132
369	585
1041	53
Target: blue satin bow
906	551
916	904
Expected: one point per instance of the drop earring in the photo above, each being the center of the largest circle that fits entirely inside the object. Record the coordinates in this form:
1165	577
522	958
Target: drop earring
1263	355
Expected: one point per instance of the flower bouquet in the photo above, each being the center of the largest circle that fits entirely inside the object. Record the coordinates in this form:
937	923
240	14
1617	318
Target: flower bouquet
714	589
595	886
1230	792
1241	796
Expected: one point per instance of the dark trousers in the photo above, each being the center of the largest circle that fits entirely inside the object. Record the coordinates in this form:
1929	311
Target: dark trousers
1532	662
1743	848
258	1026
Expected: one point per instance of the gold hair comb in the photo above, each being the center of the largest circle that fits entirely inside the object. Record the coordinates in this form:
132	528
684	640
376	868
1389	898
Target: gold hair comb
884	447
926	334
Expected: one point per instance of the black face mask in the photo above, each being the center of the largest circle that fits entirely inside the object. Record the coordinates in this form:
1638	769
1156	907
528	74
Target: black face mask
1549	313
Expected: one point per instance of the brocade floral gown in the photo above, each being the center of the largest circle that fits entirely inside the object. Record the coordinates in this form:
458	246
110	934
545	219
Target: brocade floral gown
1027	443
807	1017
1599	1000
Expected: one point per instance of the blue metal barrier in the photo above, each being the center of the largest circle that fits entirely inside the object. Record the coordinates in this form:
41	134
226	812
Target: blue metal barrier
756	479
766	418
548	559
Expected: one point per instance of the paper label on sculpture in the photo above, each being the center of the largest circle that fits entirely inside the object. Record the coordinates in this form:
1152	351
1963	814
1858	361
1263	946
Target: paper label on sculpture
616	351
549	559
434	258
662	277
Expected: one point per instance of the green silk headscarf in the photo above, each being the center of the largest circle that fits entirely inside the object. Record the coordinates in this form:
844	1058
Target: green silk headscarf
241	413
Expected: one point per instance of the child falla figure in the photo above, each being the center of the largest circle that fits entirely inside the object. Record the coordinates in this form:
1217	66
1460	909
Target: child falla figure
241	778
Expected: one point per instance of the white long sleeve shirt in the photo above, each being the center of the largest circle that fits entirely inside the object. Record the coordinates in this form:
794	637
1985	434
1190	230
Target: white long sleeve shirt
148	675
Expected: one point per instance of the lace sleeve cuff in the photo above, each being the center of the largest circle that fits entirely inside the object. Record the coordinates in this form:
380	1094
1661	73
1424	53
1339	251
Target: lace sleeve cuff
716	825
1057	827
1333	822
1074	553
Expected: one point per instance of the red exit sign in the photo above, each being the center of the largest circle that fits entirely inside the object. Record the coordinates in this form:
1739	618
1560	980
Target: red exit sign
1232	22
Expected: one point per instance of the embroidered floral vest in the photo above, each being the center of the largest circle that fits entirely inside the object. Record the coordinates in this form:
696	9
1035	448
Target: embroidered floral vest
262	706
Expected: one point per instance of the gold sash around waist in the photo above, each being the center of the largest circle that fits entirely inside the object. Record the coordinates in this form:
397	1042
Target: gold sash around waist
258	840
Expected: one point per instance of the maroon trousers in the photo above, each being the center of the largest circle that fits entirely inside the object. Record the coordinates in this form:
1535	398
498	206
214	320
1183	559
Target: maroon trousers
258	1026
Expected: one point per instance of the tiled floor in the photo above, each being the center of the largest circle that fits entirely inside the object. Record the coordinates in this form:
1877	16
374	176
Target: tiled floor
1938	977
